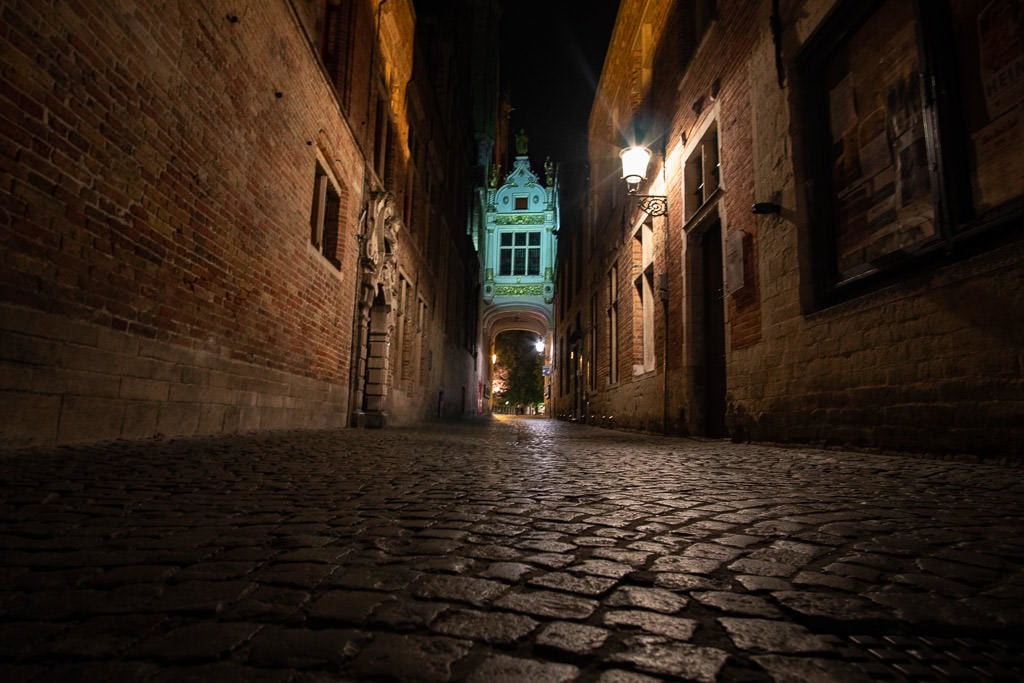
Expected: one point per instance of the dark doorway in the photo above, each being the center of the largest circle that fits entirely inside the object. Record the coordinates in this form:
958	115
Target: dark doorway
714	331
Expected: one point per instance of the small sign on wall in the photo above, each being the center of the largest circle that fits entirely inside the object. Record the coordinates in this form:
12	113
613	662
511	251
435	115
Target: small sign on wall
734	262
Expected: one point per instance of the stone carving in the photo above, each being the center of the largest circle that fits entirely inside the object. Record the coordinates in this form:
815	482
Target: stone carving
519	219
518	290
522	142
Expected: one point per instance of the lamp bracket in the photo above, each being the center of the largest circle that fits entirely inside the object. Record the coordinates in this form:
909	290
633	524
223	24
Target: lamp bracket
653	204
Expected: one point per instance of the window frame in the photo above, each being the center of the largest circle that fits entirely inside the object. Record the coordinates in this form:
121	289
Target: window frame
325	215
519	254
960	229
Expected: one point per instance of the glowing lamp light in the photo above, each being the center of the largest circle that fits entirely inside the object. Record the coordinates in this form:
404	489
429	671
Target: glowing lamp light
634	165
634	169
539	346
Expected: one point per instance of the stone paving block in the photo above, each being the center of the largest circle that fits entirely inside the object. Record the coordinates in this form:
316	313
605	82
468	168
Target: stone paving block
592	586
118	576
747	565
685	582
579	639
404	613
294	574
222	672
329	554
346	606
302	648
504	669
105	636
452	564
654	599
812	578
21	639
497	553
548	604
613	570
490	627
204	641
737	603
811	670
931	609
373	578
658	655
551	560
458	588
546	546
759	584
216	570
658	624
507	571
208	597
634	558
410	657
766	635
676	564
108	672
849	608
622	676
267	603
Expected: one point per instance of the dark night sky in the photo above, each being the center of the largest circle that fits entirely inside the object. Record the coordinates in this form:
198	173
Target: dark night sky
552	53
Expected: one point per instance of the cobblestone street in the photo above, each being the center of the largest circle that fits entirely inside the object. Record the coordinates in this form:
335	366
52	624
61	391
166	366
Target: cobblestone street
505	550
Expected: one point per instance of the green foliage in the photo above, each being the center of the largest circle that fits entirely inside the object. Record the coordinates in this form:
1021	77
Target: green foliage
521	365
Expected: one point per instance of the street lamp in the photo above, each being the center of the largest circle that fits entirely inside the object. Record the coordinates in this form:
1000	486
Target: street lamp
539	346
634	169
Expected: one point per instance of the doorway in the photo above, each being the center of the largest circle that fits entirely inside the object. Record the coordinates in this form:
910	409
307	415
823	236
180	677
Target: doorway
713	332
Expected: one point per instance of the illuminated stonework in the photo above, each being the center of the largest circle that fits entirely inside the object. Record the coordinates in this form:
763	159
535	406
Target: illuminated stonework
518	290
520	219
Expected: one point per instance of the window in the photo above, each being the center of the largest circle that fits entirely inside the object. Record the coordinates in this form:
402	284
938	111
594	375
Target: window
522	203
613	325
920	137
643	300
337	48
325	216
592	364
701	172
520	253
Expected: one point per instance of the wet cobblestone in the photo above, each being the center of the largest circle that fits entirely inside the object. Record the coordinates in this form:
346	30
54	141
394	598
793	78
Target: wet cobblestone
504	550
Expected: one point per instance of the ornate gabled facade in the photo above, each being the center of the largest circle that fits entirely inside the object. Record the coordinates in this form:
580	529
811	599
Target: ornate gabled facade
517	248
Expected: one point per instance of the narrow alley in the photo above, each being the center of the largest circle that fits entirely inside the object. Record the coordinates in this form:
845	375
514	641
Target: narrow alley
504	549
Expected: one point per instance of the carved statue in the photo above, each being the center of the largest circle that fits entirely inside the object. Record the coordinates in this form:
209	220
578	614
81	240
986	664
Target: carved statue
522	141
495	174
549	171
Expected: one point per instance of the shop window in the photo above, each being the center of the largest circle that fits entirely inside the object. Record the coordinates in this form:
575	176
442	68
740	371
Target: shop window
914	147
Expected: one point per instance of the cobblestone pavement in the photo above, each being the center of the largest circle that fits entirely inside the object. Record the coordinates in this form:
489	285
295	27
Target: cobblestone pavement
504	550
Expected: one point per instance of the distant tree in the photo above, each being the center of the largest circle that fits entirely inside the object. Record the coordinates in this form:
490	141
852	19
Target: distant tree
519	368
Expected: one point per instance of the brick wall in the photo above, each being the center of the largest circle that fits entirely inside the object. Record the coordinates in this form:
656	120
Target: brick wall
158	275
930	362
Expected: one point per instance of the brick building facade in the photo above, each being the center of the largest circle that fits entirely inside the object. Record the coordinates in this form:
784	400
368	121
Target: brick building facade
841	260
217	220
